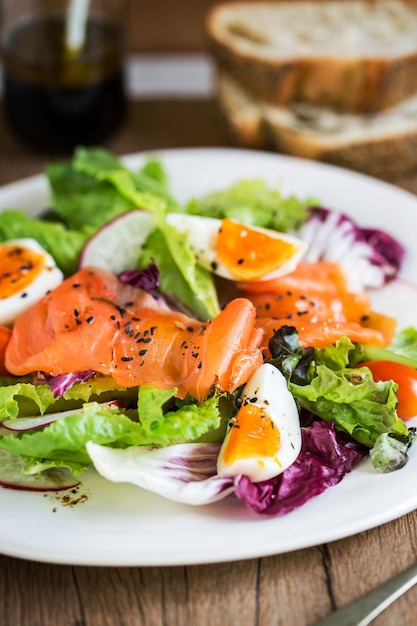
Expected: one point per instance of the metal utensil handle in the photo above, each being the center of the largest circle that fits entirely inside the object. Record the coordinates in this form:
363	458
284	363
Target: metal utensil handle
365	609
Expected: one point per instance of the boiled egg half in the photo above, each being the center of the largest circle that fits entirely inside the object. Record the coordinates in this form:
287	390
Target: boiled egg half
235	251
264	438
27	273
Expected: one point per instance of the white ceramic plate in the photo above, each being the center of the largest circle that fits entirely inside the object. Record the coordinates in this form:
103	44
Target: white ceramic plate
124	525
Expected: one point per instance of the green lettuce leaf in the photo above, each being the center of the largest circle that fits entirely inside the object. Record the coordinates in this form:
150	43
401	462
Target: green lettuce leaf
23	399
403	350
62	243
82	202
104	167
405	344
63	443
390	454
180	274
252	203
187	423
355	403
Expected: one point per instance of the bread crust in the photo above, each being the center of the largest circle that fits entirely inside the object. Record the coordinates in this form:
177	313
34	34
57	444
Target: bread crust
347	84
384	157
386	154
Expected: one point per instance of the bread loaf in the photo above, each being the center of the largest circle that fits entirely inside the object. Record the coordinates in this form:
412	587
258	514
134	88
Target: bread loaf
382	144
351	55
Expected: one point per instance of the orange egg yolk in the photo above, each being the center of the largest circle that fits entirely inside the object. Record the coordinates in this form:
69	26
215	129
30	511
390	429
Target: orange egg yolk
19	266
250	254
253	434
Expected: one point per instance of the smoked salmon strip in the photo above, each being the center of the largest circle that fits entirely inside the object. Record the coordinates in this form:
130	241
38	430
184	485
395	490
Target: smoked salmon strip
92	321
5	334
314	335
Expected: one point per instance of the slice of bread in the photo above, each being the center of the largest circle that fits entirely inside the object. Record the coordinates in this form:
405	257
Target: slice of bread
382	145
352	55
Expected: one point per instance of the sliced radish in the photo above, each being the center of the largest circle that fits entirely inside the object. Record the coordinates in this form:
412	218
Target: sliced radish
21	424
30	423
396	299
116	245
12	476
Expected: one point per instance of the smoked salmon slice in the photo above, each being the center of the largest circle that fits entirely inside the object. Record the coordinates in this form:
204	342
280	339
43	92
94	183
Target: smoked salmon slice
92	321
5	334
320	335
315	299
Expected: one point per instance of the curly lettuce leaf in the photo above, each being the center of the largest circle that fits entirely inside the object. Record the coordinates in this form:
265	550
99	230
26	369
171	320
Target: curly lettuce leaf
187	423
62	443
253	203
354	402
24	399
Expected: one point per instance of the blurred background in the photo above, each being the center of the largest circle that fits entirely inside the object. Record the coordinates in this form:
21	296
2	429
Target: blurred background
172	89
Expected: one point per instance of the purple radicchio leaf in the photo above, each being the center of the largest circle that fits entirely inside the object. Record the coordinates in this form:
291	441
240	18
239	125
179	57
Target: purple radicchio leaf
146	279
370	257
325	457
386	248
62	383
183	472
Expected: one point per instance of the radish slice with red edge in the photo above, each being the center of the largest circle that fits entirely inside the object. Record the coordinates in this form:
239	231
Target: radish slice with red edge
21	424
12	476
116	245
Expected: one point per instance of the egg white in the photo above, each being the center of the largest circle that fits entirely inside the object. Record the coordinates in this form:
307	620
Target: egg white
267	388
50	277
201	233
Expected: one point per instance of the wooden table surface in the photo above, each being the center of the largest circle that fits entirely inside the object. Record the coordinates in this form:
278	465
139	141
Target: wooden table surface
293	589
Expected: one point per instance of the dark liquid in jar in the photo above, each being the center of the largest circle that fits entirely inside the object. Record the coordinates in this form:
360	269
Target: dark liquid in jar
54	99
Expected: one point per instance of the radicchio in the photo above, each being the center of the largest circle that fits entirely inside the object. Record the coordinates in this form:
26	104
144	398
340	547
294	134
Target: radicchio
326	457
370	257
62	383
187	472
146	279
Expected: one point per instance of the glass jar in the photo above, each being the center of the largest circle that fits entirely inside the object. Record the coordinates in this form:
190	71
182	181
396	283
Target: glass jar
63	70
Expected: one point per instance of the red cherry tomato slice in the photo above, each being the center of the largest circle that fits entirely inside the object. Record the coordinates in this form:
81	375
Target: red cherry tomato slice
406	378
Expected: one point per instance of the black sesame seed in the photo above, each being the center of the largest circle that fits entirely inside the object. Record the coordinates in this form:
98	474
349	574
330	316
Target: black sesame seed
142	352
127	358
